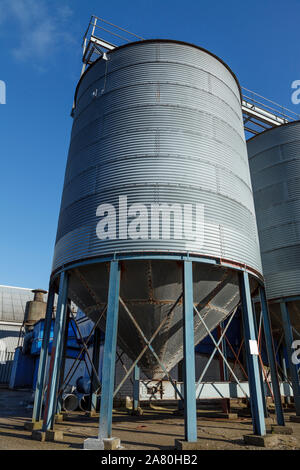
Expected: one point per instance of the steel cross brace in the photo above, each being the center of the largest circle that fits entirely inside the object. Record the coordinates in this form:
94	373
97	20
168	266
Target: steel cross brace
86	349
40	383
119	356
66	381
236	356
260	347
217	348
237	361
284	377
145	348
56	353
86	364
150	347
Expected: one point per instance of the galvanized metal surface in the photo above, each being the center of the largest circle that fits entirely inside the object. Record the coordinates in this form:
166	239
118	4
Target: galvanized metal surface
9	337
13	303
6	364
274	158
159	122
150	290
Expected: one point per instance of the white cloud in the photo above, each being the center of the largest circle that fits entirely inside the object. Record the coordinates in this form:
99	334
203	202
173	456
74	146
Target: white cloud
41	27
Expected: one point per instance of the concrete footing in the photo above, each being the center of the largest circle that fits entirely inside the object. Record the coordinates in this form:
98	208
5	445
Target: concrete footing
59	418
276	429
185	445
38	436
269	440
112	443
137	412
52	436
33	425
295	419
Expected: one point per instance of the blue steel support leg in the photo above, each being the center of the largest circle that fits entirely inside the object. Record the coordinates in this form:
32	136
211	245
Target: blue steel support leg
63	361
136	388
40	383
190	412
224	350
96	362
111	329
287	400
56	353
288	333
180	379
256	392
260	368
271	357
223	368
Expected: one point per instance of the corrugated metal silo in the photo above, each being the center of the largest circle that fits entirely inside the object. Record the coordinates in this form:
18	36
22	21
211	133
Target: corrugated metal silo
157	122
274	158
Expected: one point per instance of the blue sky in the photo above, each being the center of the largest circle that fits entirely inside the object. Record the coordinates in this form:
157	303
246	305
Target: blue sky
40	47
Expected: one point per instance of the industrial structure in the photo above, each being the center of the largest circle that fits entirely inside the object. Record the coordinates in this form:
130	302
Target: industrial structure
157	239
274	158
12	312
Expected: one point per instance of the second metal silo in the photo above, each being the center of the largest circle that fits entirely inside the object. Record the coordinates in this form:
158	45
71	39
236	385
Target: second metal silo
274	158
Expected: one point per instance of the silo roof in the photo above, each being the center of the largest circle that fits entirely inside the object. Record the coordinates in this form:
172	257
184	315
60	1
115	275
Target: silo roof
174	41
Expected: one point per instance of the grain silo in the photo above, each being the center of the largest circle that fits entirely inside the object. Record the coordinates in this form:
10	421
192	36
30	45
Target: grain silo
157	156
274	158
157	232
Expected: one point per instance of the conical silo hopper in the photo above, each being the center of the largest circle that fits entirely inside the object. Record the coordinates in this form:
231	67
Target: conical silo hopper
157	171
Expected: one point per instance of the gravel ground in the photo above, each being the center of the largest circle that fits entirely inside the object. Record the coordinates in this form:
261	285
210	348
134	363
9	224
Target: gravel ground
154	430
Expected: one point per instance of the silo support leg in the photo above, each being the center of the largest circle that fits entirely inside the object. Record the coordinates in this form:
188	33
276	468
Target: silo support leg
63	362
288	333
190	411
96	362
40	383
56	354
256	392
180	379
136	388
222	366
271	357
257	335
287	400
110	346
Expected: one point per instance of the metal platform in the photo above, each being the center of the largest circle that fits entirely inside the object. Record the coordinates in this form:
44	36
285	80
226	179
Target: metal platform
259	113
